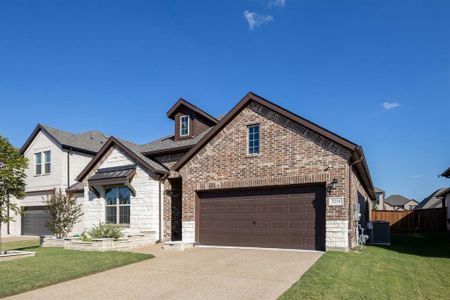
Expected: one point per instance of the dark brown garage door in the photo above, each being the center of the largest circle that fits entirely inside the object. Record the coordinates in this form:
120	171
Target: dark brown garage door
34	221
288	217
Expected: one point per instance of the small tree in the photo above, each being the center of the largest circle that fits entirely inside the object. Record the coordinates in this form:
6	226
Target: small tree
64	213
12	181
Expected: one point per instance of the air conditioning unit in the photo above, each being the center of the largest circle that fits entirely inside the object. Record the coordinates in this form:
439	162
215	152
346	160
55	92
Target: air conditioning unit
380	233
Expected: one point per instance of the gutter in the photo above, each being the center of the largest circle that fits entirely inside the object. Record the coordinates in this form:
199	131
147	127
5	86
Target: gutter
68	168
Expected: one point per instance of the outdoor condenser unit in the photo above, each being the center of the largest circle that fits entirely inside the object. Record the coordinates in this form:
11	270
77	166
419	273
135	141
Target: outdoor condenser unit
380	233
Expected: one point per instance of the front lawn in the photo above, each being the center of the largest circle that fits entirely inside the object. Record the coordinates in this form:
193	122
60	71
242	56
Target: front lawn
53	265
416	266
20	244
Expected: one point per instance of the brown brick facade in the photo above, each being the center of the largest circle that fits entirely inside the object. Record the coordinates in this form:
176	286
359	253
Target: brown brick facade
289	154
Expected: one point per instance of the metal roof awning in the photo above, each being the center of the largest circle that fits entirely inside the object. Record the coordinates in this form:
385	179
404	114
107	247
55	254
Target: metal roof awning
112	176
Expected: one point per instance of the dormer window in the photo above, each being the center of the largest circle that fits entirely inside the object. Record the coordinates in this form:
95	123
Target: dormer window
184	125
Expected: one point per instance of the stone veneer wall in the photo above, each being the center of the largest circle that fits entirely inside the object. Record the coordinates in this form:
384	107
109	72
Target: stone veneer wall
289	154
144	209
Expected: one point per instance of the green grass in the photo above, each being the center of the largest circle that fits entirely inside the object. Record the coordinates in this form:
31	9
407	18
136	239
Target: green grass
20	244
53	265
416	266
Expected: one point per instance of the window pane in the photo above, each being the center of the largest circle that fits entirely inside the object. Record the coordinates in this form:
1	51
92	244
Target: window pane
38	157
124	195
111	196
111	215
253	139
47	157
184	125
47	168
124	216
38	169
38	161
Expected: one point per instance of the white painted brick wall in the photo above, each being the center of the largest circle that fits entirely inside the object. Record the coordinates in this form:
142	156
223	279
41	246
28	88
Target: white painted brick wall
144	211
336	235
188	231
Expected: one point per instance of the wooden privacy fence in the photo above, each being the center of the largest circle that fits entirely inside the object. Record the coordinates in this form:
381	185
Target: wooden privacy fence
433	219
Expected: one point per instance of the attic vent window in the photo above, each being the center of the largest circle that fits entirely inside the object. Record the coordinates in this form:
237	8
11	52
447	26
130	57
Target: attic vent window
184	125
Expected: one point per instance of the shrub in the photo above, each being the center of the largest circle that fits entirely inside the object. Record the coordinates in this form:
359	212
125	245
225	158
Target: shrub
102	230
64	213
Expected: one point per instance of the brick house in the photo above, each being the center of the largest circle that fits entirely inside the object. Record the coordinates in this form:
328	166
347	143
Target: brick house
260	176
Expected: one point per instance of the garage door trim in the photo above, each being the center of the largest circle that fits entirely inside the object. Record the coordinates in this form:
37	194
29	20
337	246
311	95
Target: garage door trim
319	186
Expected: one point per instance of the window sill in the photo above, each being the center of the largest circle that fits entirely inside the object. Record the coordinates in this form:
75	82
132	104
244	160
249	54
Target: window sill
39	175
253	155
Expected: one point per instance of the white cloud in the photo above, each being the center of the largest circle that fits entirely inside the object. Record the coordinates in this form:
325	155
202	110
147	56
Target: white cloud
279	3
255	19
390	105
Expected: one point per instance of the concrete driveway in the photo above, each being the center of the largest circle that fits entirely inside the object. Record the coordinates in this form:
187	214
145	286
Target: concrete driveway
198	273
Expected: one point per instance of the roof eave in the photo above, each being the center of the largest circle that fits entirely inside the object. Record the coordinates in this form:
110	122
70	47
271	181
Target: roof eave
113	141
167	151
181	101
39	127
446	173
33	135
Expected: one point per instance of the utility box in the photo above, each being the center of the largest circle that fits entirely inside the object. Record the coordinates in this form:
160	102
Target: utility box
380	233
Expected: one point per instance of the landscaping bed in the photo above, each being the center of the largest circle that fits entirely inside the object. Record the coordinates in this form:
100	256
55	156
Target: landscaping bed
53	265
415	266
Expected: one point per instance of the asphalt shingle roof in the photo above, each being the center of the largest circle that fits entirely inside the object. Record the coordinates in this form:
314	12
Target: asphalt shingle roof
168	143
431	201
396	200
137	151
91	140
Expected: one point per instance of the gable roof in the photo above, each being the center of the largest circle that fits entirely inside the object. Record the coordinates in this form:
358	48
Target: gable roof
87	142
396	200
446	173
433	200
131	150
443	192
182	102
169	144
357	152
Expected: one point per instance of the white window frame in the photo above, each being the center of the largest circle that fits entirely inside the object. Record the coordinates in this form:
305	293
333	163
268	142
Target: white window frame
181	125
47	162
36	164
248	139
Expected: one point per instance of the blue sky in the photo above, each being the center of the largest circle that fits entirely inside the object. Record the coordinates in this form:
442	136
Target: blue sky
375	72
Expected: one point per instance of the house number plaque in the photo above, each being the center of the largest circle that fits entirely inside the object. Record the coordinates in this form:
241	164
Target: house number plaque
336	201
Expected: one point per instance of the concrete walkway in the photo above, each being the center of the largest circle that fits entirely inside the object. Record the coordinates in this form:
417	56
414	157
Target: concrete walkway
198	273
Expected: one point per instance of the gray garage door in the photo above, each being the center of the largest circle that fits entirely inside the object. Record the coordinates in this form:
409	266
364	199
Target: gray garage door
34	221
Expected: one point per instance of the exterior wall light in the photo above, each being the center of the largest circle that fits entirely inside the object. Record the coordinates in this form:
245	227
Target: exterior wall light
334	183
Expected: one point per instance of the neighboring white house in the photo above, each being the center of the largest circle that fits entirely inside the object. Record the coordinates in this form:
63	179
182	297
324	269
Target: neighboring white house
380	194
55	159
398	202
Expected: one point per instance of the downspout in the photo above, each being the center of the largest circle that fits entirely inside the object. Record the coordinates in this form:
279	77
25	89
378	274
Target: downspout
68	168
350	200
7	226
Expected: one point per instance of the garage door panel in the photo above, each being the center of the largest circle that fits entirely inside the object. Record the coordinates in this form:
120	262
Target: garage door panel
292	217
34	221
